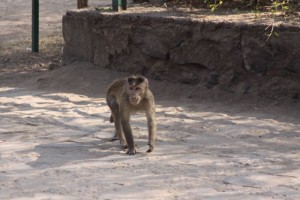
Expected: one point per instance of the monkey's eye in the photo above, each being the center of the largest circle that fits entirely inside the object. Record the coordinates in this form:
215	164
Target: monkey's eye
137	88
131	88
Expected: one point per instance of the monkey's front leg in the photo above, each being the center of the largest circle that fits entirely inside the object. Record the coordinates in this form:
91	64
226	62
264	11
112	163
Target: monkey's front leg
151	121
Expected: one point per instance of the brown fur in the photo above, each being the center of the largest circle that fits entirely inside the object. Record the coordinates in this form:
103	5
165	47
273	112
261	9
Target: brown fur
126	97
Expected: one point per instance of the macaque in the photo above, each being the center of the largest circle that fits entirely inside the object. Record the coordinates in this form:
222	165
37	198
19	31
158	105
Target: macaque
126	97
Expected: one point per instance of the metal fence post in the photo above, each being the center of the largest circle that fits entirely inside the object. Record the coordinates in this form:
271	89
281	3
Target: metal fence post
124	4
115	5
35	25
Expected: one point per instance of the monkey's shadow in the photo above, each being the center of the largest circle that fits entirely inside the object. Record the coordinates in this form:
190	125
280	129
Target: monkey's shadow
68	152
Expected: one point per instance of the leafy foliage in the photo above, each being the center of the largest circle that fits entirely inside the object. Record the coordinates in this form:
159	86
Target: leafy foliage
275	8
259	5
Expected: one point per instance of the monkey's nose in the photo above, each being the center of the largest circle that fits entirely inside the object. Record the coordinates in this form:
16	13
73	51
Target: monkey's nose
134	97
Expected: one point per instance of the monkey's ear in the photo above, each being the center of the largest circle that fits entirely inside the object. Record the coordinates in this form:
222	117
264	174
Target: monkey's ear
140	79
131	80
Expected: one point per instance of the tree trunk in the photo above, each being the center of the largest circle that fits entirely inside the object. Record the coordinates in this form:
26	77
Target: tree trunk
82	4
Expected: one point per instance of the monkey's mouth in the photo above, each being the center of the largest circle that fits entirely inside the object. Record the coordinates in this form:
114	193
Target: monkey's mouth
134	101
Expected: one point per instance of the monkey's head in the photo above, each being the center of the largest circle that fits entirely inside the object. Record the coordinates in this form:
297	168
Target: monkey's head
136	88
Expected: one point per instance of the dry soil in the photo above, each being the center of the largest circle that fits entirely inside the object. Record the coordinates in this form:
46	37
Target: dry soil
54	131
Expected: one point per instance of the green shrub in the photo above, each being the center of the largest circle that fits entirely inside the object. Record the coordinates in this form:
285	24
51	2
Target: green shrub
261	5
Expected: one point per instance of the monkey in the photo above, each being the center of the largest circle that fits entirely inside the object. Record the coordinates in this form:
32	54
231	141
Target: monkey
126	97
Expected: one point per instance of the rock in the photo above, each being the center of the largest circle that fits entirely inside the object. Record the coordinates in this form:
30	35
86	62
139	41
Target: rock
53	66
152	47
257	57
235	58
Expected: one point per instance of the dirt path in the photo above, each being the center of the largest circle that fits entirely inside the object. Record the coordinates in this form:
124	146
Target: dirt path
54	133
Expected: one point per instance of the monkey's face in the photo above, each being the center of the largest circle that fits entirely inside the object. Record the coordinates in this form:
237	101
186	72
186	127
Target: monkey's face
136	89
135	94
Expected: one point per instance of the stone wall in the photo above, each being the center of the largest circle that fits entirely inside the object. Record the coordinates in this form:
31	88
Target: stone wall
232	57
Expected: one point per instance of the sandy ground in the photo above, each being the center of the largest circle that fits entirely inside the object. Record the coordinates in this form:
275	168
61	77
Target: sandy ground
54	131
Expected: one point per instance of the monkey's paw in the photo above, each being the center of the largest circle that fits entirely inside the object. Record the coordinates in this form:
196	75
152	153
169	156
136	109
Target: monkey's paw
150	150
151	147
113	139
131	152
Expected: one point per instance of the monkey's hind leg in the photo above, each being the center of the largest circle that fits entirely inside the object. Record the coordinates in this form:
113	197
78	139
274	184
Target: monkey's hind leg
116	136
119	130
128	135
115	118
